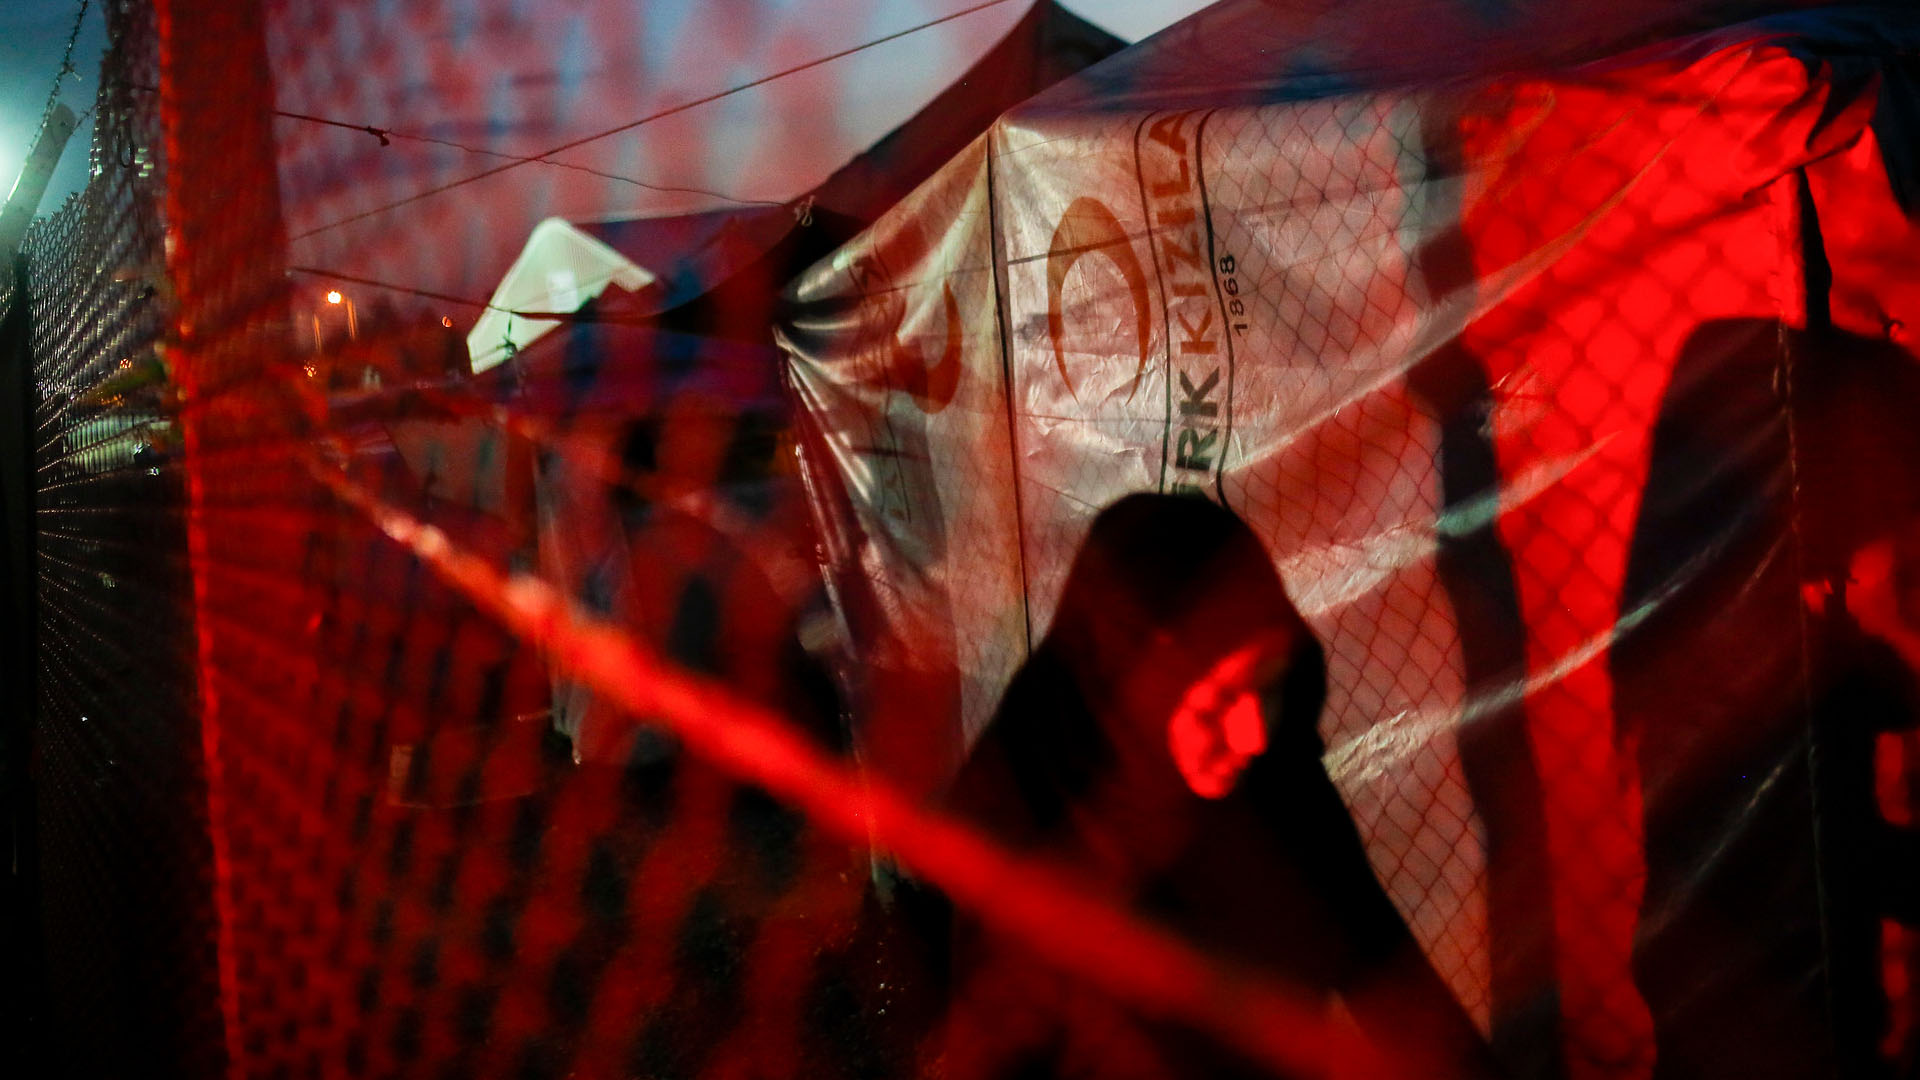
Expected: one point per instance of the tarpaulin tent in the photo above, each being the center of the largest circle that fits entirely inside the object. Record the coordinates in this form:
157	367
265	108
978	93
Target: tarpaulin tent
603	328
687	256
716	274
588	900
1542	376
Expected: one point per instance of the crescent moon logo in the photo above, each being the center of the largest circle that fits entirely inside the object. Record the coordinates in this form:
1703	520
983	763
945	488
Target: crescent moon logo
1089	228
932	387
883	310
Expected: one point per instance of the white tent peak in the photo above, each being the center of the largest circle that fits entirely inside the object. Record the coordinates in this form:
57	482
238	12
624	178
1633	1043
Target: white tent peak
561	268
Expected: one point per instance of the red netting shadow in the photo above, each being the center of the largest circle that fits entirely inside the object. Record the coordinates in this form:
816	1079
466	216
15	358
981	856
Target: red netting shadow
404	720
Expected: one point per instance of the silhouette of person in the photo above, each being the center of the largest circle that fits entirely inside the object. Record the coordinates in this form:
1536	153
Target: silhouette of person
1859	465
1162	741
1759	941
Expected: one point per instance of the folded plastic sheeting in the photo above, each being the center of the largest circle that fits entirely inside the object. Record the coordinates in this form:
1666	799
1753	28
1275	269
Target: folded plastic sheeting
1534	386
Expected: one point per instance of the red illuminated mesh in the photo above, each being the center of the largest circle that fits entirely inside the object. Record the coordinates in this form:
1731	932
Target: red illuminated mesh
396	862
1571	359
1593	379
1393	653
410	723
1514	373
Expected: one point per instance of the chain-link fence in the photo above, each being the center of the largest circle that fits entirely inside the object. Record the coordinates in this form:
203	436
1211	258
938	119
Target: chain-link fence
393	719
1504	374
123	855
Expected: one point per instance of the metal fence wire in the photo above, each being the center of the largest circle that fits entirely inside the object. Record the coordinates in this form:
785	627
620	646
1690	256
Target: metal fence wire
123	848
395	720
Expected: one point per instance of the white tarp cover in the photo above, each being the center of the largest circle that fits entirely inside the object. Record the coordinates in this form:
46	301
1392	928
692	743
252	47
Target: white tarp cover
560	269
1494	362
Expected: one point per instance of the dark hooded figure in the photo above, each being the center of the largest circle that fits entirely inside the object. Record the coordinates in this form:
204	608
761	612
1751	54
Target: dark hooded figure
1162	742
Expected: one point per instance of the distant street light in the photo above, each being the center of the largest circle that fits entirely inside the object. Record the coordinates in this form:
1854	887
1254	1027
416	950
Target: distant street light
338	298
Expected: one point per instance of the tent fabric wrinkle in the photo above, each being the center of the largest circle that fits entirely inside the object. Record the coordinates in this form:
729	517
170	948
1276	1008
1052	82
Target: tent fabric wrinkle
1488	347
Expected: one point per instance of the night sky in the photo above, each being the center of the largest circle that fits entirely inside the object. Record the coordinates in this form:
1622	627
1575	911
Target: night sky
32	35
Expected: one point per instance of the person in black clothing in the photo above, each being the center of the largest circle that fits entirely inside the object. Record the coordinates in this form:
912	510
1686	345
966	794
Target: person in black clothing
1754	696
1162	741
